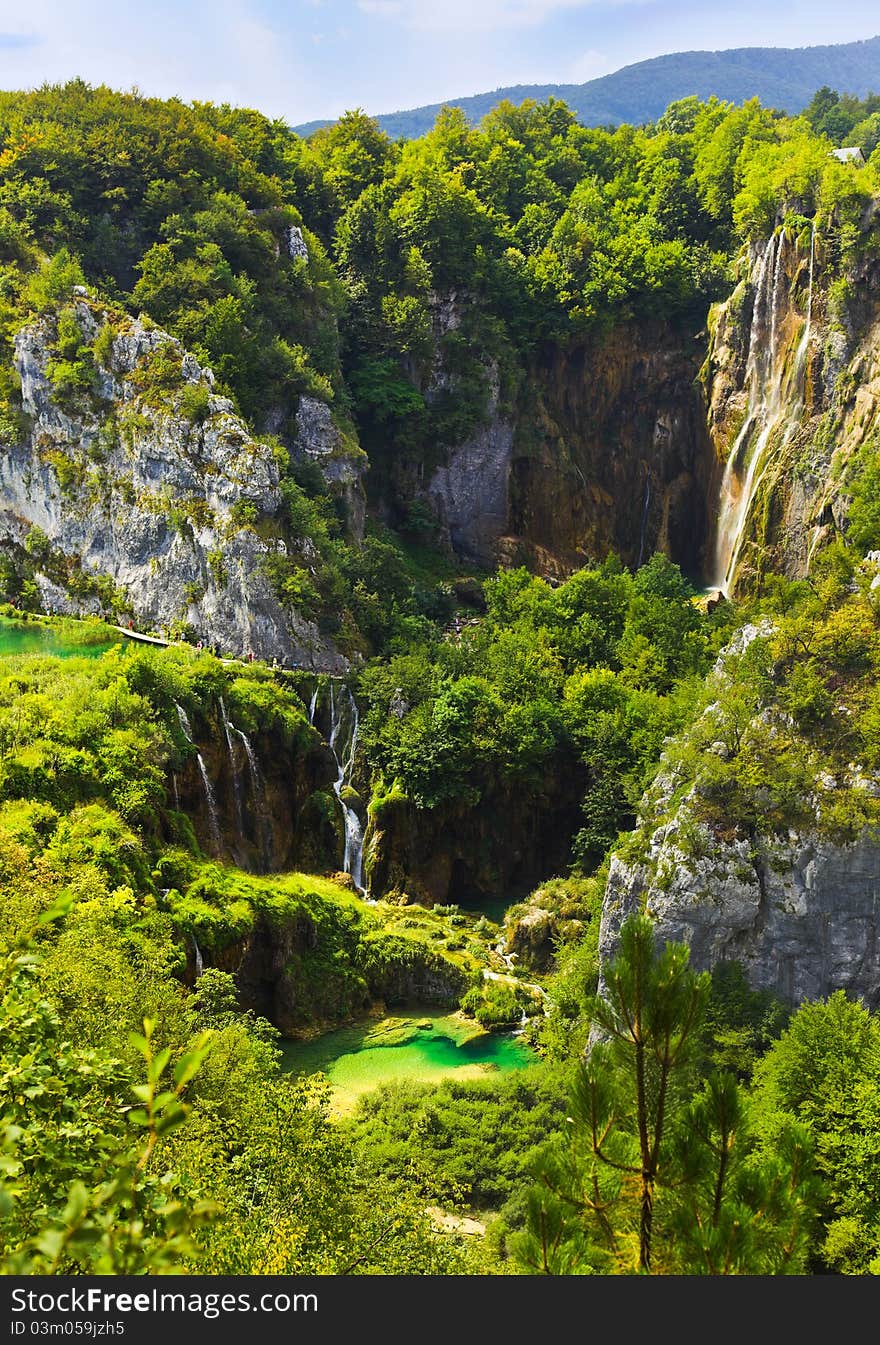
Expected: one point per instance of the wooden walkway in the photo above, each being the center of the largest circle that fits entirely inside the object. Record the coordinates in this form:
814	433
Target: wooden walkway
146	639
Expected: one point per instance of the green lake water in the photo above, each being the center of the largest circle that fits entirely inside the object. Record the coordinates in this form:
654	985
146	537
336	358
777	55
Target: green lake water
23	637
425	1047
493	908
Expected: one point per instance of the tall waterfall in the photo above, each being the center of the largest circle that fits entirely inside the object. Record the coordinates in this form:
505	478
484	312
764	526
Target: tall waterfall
258	791
644	520
344	722
233	770
213	815
775	402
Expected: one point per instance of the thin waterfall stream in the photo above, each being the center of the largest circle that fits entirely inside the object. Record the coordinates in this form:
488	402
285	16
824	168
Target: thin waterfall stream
258	790
213	815
233	770
344	722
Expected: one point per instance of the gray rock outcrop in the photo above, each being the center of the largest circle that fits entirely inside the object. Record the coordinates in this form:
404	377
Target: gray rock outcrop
797	908
470	492
802	916
151	486
341	461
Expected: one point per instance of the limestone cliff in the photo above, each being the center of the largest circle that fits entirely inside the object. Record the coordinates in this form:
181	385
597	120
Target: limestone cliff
797	905
466	854
801	915
339	459
612	452
597	446
139	489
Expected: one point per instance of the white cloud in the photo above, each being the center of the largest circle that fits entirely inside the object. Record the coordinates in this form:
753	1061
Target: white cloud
458	16
212	50
589	65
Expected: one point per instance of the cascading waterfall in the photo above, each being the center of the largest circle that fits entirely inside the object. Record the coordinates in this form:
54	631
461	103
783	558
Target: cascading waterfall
211	801
197	954
800	362
213	815
233	770
775	403
353	861
344	722
258	791
644	521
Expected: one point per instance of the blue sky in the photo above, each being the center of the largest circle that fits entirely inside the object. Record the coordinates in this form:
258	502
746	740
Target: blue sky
304	59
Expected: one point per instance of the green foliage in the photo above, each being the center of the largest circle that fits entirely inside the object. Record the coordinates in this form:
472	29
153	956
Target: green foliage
464	1142
80	1191
741	1023
774	746
650	1176
496	1003
546	685
824	1074
54	283
863	529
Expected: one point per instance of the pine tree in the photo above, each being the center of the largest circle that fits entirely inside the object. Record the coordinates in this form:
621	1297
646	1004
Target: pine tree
642	1131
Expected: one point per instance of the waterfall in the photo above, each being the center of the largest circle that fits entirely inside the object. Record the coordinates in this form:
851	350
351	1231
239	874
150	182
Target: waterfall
233	768
507	958
801	357
644	520
345	715
313	704
258	791
197	954
775	402
183	717
213	815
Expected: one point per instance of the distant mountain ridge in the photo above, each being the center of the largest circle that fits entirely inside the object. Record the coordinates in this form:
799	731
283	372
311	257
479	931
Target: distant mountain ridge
782	77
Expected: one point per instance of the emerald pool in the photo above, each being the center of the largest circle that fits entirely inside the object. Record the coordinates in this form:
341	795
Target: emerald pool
25	637
422	1046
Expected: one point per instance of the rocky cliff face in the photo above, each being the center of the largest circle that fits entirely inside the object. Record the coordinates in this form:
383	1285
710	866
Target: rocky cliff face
613	453
270	808
793	389
337	456
463	854
799	910
801	915
605	447
727	449
147	492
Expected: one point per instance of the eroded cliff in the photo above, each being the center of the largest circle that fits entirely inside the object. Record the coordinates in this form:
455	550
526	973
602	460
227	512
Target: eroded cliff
135	489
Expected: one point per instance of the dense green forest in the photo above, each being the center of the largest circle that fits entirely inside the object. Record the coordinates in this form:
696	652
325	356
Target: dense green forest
160	952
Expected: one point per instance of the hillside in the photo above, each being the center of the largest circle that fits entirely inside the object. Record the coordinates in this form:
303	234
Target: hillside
439	629
782	77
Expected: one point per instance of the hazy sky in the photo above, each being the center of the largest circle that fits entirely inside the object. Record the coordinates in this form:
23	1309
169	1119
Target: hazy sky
303	59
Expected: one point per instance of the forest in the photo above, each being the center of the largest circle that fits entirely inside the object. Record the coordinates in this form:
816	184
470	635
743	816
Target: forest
181	911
